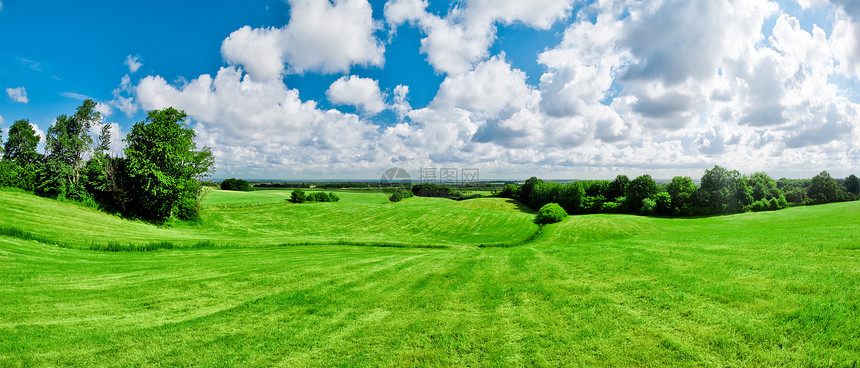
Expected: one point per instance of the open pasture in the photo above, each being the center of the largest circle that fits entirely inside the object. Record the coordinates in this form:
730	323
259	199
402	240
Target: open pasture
757	289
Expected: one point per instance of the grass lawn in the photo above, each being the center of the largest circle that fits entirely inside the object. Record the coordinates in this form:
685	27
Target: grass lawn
758	289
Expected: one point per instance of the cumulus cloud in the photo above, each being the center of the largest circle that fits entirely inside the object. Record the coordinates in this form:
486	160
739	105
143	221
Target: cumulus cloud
133	63
666	87
252	124
322	36
18	94
360	92
463	37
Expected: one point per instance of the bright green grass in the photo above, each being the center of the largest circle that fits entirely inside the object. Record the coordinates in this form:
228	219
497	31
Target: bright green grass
268	219
761	289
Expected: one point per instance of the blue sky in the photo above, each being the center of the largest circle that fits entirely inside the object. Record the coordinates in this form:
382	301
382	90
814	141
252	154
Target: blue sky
304	89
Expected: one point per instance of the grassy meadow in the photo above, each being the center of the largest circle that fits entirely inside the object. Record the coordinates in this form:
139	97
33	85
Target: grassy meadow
471	283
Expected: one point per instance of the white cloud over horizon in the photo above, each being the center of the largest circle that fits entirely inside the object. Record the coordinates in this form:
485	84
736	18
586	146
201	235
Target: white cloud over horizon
670	86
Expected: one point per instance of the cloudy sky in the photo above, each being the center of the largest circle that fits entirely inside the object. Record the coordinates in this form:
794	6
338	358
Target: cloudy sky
317	89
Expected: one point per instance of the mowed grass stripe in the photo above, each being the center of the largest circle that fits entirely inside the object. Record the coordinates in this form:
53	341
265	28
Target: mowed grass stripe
610	290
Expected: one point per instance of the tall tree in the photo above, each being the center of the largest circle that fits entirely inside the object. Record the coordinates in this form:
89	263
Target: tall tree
823	189
717	193
66	143
163	163
617	188
682	191
640	189
21	144
852	184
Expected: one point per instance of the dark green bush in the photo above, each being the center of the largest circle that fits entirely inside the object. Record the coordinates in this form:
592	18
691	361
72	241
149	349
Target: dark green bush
236	184
550	213
399	195
322	197
298	196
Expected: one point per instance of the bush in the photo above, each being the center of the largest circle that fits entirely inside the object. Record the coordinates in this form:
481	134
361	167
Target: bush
298	196
550	213
400	195
648	206
431	190
322	197
236	184
509	191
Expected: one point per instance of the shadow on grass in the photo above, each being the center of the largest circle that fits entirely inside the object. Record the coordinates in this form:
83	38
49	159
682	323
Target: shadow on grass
521	207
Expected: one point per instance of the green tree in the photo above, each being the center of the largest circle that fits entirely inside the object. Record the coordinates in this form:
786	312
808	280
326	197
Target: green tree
682	191
823	189
717	193
66	143
852	185
21	143
640	189
164	165
617	188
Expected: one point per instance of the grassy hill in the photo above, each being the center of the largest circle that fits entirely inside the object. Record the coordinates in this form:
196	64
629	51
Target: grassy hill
758	289
258	218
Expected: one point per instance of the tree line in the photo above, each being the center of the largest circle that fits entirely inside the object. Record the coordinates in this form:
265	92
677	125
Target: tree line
720	192
155	179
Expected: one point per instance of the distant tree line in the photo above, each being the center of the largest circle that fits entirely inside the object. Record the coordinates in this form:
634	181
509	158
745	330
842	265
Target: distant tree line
156	179
236	184
720	191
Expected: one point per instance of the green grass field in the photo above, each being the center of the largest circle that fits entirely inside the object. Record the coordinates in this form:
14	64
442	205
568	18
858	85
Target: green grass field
757	289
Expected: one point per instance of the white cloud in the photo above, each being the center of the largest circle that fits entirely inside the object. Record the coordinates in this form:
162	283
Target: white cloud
360	92
253	125
463	37
17	94
321	36
74	95
133	63
1	6
401	105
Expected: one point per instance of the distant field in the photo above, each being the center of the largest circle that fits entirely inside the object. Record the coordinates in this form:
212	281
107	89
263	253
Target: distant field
758	289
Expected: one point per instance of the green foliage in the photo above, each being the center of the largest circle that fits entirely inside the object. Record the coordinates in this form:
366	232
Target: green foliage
322	197
640	189
400	194
20	146
163	165
66	142
432	190
852	185
298	196
236	184
663	204
682	192
509	191
550	213
823	189
617	188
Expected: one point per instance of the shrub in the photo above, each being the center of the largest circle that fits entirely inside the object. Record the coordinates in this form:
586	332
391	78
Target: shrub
509	191
550	213
236	184
322	197
648	206
298	196
400	195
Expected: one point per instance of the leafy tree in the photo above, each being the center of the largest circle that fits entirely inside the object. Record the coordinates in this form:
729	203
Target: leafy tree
21	143
571	196
66	142
163	164
617	188
550	213
298	196
682	192
640	189
852	185
509	191
663	203
526	189
717	193
823	189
